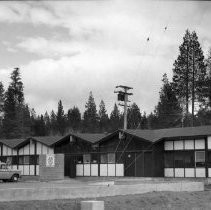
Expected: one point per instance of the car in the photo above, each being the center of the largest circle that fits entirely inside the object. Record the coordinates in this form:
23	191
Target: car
8	174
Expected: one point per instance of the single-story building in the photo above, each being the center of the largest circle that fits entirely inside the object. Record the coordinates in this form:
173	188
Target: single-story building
174	152
23	154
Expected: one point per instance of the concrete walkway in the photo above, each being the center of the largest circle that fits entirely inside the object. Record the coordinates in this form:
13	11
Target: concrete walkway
71	189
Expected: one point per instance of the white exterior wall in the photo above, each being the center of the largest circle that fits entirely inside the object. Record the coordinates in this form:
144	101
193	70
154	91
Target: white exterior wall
178	145
169	145
109	169
209	142
28	149
189	144
198	144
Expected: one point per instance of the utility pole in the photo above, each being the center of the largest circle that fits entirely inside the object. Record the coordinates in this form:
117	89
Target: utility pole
123	96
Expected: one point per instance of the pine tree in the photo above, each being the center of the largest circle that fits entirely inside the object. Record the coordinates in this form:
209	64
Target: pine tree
61	125
182	71
10	121
115	119
15	113
207	83
90	116
103	117
168	111
74	119
1	97
144	124
152	121
33	119
134	117
47	123
189	72
53	120
39	126
1	107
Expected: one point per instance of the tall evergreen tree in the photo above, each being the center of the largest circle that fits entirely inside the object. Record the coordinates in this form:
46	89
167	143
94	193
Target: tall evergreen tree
144	124
189	71
1	107
103	117
207	84
134	117
168	110
53	120
1	99
47	123
15	112
10	121
39	126
61	125
115	119
90	115
182	70
74	119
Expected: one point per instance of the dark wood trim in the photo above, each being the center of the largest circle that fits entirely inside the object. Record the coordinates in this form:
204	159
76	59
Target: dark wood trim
35	154
206	157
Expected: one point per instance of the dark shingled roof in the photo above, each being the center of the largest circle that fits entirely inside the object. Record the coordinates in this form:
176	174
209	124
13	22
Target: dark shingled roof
150	135
155	135
90	137
47	140
12	143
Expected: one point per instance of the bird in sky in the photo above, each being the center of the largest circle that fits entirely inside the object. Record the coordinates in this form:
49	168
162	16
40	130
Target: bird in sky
147	39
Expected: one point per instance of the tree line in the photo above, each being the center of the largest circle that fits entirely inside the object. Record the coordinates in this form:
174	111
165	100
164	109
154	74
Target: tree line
185	101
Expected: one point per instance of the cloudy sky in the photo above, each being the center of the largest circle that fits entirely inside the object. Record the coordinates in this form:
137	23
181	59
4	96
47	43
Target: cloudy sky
65	49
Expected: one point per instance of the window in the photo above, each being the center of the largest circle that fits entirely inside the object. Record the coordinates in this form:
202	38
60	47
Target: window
20	160
189	159
86	158
80	159
179	159
94	158
209	158
32	159
103	158
200	158
169	159
14	160
3	159
26	160
111	157
9	160
37	159
119	157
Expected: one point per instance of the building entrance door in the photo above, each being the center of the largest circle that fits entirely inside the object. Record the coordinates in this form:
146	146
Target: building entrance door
70	165
129	167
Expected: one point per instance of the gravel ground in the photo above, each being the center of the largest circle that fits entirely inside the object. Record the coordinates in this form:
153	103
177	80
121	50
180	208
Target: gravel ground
155	200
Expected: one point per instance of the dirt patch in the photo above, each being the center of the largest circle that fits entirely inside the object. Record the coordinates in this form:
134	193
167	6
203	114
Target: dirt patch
155	200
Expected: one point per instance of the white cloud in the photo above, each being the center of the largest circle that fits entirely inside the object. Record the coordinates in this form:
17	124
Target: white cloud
50	48
106	46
